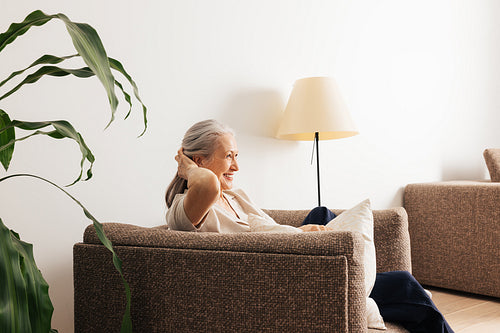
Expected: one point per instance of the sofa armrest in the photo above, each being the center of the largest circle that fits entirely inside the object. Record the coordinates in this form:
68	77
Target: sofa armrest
392	240
181	281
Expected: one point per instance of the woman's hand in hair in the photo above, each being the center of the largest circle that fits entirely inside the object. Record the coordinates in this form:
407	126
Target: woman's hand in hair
184	164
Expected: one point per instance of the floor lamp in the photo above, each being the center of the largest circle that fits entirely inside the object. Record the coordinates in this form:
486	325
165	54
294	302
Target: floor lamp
316	111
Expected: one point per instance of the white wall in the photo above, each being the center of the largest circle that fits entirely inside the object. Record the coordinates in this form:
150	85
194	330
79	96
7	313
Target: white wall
421	79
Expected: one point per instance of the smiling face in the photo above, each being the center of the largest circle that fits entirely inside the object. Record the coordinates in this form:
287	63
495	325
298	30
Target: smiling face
223	162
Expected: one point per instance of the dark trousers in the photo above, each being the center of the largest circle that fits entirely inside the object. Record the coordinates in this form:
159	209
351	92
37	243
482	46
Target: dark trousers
399	297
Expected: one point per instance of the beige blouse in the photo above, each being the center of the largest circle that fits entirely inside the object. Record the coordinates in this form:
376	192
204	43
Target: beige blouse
219	219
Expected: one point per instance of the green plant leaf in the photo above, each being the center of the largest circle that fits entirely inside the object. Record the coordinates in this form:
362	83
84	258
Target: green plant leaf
15	30
45	59
7	137
81	73
25	305
116	65
127	97
52	71
62	129
127	321
89	46
86	42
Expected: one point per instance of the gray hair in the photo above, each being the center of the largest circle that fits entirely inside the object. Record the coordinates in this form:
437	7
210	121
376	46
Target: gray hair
199	140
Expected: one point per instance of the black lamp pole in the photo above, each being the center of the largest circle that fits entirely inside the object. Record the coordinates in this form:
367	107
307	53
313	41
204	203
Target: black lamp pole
316	139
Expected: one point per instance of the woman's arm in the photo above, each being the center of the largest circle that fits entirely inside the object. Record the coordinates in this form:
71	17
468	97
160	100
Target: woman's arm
203	188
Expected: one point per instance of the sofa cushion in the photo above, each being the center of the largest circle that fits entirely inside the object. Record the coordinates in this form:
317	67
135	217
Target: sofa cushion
492	158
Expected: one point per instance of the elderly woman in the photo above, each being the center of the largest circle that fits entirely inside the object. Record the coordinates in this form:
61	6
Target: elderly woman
200	198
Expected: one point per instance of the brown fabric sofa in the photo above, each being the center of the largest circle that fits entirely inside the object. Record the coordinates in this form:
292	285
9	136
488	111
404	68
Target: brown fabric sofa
455	233
247	282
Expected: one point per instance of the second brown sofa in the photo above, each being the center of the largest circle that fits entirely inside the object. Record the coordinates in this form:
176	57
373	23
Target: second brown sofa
455	234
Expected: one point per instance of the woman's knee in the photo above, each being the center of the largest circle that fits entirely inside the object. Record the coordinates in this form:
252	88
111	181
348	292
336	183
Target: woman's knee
396	275
397	281
404	275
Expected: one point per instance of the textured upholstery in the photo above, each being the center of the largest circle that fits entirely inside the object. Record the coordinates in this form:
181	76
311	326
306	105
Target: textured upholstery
492	159
247	282
455	234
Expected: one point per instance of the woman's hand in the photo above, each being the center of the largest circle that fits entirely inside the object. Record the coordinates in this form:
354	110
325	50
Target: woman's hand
314	227
184	164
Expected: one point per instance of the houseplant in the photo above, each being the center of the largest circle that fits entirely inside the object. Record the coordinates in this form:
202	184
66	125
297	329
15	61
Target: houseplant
25	305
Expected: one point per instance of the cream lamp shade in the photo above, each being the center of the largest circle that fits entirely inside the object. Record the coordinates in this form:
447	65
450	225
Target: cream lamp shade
316	111
315	105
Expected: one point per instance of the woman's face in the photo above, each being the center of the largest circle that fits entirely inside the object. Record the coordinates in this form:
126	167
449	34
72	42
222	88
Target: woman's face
223	162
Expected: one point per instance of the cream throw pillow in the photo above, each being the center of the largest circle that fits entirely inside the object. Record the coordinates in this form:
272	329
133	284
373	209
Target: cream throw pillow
360	219
373	317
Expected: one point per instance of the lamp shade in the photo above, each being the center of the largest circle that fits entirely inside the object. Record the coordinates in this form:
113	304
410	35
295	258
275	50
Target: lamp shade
315	105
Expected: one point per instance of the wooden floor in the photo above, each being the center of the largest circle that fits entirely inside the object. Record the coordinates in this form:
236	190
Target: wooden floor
468	313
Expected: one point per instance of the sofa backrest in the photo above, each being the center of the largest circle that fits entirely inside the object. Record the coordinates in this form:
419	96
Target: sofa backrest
392	241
